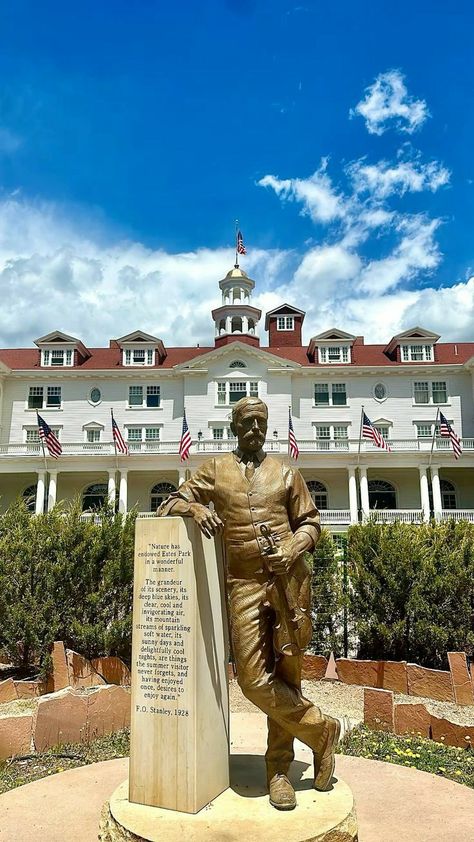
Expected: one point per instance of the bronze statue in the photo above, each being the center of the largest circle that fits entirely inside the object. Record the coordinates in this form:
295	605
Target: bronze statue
269	521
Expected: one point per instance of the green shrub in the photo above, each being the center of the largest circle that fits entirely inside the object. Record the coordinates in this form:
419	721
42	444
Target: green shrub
327	597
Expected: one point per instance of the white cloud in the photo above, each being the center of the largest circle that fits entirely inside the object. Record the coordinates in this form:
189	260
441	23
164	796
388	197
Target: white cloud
387	102
316	193
383	179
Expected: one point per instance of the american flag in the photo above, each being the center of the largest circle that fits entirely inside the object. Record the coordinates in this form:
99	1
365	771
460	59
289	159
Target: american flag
371	432
447	432
240	244
185	443
293	448
119	441
49	438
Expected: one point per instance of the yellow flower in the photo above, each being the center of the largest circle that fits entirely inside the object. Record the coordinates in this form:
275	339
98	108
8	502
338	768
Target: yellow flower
457	772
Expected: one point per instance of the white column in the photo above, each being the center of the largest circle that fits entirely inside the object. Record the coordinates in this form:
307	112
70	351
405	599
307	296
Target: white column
245	324
181	476
39	506
123	491
424	493
353	505
111	488
364	492
52	489
228	324
435	485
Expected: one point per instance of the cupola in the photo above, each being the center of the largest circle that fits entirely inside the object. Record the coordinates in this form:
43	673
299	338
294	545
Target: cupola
236	318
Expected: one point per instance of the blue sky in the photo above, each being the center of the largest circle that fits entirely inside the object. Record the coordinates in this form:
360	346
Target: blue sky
132	135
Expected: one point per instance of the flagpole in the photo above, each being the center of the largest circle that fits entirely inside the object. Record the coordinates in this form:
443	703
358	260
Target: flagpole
236	251
113	438
44	457
433	437
360	435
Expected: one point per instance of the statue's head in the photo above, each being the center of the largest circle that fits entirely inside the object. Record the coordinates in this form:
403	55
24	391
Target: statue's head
249	423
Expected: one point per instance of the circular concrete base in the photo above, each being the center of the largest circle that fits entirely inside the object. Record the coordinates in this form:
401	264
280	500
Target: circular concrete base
241	812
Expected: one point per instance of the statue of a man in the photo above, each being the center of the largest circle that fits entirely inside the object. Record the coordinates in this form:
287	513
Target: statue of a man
248	490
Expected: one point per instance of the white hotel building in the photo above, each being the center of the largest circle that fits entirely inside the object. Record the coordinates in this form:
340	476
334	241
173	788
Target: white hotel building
400	384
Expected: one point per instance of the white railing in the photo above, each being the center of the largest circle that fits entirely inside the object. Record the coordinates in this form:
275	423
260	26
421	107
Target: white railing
404	515
335	516
202	446
458	514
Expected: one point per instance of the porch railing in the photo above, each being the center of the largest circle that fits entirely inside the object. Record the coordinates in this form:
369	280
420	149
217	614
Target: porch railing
458	514
404	515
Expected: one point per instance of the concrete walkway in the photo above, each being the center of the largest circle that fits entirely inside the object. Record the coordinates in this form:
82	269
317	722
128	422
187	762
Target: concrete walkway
394	803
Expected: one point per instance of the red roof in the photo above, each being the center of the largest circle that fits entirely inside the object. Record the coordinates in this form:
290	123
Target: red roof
447	353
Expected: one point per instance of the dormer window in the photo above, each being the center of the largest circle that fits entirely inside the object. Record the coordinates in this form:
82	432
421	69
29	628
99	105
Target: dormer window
335	354
285	322
57	357
138	356
417	353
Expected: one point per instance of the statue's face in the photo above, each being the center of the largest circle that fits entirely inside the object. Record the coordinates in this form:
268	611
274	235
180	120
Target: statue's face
251	428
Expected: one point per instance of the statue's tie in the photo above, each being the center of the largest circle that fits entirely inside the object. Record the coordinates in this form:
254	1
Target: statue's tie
249	469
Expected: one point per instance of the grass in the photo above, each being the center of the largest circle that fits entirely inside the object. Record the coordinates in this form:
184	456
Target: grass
417	752
457	764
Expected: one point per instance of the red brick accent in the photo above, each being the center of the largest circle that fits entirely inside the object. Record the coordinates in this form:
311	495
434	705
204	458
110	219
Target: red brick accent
284	338
462	686
412	719
432	684
378	709
314	667
450	733
226	339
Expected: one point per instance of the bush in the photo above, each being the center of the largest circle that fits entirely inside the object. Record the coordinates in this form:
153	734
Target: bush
63	578
327	597
412	590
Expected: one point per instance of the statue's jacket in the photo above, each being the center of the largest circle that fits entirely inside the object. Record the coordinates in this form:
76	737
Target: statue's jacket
276	495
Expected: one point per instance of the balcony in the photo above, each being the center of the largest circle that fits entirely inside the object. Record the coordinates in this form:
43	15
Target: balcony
333	517
403	515
213	446
458	514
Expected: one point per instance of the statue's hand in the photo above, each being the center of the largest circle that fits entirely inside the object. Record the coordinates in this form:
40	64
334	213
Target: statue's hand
209	523
289	552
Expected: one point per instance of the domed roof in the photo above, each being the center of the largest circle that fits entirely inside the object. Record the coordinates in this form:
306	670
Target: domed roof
236	272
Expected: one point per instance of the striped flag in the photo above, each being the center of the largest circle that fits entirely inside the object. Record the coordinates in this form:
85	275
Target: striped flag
371	432
293	448
240	244
119	441
185	443
447	432
49	438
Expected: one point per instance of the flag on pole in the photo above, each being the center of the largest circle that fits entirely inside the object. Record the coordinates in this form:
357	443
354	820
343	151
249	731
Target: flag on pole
49	438
293	448
240	244
119	441
447	432
371	432
185	443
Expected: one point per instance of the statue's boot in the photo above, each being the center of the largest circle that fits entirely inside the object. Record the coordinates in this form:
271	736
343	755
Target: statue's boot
282	794
324	765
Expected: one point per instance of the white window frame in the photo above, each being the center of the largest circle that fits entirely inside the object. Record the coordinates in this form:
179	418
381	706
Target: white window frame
331	391
417	353
341	354
249	392
143	439
333	442
285	322
32	442
128	356
48	353
430	425
430	401
46	395
144	404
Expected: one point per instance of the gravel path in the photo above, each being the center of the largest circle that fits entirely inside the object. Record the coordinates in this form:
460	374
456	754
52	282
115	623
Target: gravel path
338	699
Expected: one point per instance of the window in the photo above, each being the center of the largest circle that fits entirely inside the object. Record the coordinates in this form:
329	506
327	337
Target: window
384	430
448	494
417	353
139	356
33	440
94	497
337	433
334	354
424	431
29	496
143	434
381	495
138	394
430	392
32	436
134	434
57	357
92	436
159	493
330	394
340	432
35	397
323	436
237	364
318	493
231	391
218	432
285	322
380	391
95	395
53	397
